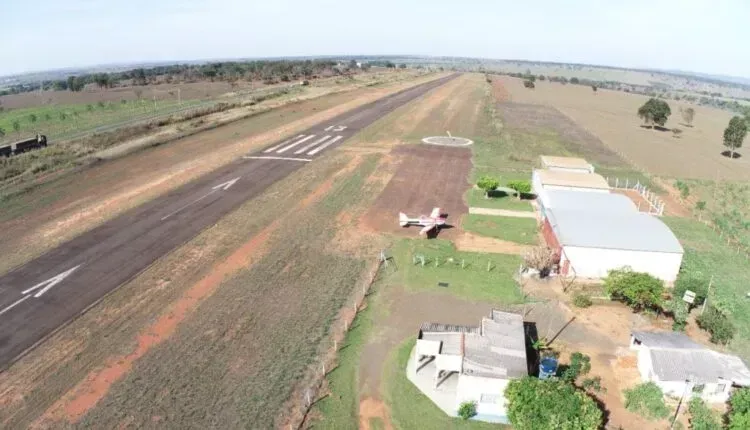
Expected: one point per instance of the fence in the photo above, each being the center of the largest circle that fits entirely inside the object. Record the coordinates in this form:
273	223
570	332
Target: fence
310	390
656	205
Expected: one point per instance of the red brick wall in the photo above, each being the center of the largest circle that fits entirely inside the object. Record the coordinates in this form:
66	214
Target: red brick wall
550	238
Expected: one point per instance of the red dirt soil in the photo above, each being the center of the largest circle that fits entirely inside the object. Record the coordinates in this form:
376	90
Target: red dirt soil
416	188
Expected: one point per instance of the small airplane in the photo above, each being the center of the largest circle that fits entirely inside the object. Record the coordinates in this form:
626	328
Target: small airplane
434	221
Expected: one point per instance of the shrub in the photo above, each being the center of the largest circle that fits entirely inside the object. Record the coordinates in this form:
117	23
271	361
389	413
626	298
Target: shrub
580	364
739	421
639	290
647	400
552	403
593	384
679	311
692	282
488	183
701	417
582	300
529	84
715	322
520	186
467	410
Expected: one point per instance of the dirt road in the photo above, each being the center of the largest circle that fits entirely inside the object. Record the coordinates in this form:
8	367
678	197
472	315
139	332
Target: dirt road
42	295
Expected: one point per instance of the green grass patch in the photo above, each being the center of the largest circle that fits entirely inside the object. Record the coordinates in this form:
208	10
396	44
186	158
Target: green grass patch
409	407
443	263
499	200
707	253
518	230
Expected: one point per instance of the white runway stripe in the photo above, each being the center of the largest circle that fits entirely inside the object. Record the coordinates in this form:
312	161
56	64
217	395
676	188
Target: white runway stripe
325	145
273	148
268	157
305	148
286	148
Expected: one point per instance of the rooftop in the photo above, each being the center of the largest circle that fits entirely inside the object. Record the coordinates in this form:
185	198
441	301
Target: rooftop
495	349
584	201
564	162
677	358
572	179
626	231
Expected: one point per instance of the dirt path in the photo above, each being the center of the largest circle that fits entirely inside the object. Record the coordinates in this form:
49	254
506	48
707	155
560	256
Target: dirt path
502	212
473	243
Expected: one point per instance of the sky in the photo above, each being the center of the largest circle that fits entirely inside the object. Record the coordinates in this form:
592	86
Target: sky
692	35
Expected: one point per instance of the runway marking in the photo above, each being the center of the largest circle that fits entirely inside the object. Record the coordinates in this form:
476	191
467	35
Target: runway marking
273	148
221	187
49	283
268	157
299	151
325	145
286	148
17	302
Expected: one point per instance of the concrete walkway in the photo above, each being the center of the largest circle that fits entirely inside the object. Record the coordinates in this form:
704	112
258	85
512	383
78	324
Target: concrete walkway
502	212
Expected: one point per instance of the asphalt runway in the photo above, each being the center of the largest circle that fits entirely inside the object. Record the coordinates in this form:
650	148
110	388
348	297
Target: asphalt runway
43	295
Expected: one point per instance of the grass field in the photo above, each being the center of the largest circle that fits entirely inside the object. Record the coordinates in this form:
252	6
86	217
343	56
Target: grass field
611	117
518	230
709	255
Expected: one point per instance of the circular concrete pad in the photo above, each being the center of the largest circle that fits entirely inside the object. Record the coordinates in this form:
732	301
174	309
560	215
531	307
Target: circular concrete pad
447	141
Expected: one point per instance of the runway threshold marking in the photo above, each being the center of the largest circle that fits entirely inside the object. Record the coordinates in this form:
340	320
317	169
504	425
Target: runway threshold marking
273	148
306	147
288	147
44	285
269	157
324	146
221	187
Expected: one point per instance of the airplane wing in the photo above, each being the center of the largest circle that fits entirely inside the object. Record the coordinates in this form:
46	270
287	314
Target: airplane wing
427	228
435	213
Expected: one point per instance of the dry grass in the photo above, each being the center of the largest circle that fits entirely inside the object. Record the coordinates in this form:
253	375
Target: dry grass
611	117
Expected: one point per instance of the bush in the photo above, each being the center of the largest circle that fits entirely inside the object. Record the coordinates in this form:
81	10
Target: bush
582	300
647	400
639	290
701	417
593	384
694	283
467	410
535	404
529	84
580	364
679	310
488	183
715	322
520	186
739	421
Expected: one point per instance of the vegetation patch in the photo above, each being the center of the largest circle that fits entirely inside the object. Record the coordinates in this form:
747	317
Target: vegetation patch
647	400
512	229
552	403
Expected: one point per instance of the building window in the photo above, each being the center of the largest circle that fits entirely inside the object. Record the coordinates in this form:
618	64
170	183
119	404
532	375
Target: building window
698	388
490	398
720	388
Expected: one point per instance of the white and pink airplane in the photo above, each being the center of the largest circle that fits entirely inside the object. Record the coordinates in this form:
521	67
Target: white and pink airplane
435	220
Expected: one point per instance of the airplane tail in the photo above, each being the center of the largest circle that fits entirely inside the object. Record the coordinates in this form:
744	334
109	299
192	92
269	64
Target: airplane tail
403	220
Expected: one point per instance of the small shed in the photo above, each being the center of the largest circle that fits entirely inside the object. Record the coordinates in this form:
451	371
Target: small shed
591	244
678	365
557	180
602	203
565	164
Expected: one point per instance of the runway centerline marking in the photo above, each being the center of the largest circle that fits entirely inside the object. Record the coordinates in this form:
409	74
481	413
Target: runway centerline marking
325	145
14	304
44	285
299	151
270	157
286	148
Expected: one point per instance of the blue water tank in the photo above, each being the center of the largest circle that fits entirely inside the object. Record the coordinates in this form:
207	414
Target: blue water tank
547	367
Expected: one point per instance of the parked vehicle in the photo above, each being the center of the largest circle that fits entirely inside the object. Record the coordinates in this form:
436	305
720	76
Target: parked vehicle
21	146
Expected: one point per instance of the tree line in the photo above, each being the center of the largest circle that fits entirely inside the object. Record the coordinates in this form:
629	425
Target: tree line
270	71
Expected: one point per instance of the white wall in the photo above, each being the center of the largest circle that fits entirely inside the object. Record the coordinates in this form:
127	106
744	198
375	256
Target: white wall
645	367
570	169
471	388
596	262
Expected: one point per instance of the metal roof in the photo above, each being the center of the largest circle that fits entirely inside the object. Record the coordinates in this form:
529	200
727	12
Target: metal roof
586	201
450	343
564	162
675	357
625	231
572	179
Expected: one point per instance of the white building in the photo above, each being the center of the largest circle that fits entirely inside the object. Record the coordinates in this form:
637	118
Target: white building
680	366
591	244
456	364
560	180
601	203
565	164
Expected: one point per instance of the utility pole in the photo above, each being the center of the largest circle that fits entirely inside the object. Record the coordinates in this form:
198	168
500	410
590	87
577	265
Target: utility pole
682	398
708	291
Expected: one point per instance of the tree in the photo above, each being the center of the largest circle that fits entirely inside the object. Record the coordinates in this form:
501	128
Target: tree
735	133
715	322
488	184
647	400
529	84
594	88
17	126
580	365
702	417
655	111
47	116
402	66
390	65
574	80
102	79
739	409
688	115
520	186
542	78
467	410
33	118
550	404
638	290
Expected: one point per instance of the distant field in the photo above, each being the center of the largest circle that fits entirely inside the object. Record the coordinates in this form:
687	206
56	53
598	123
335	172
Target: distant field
611	117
